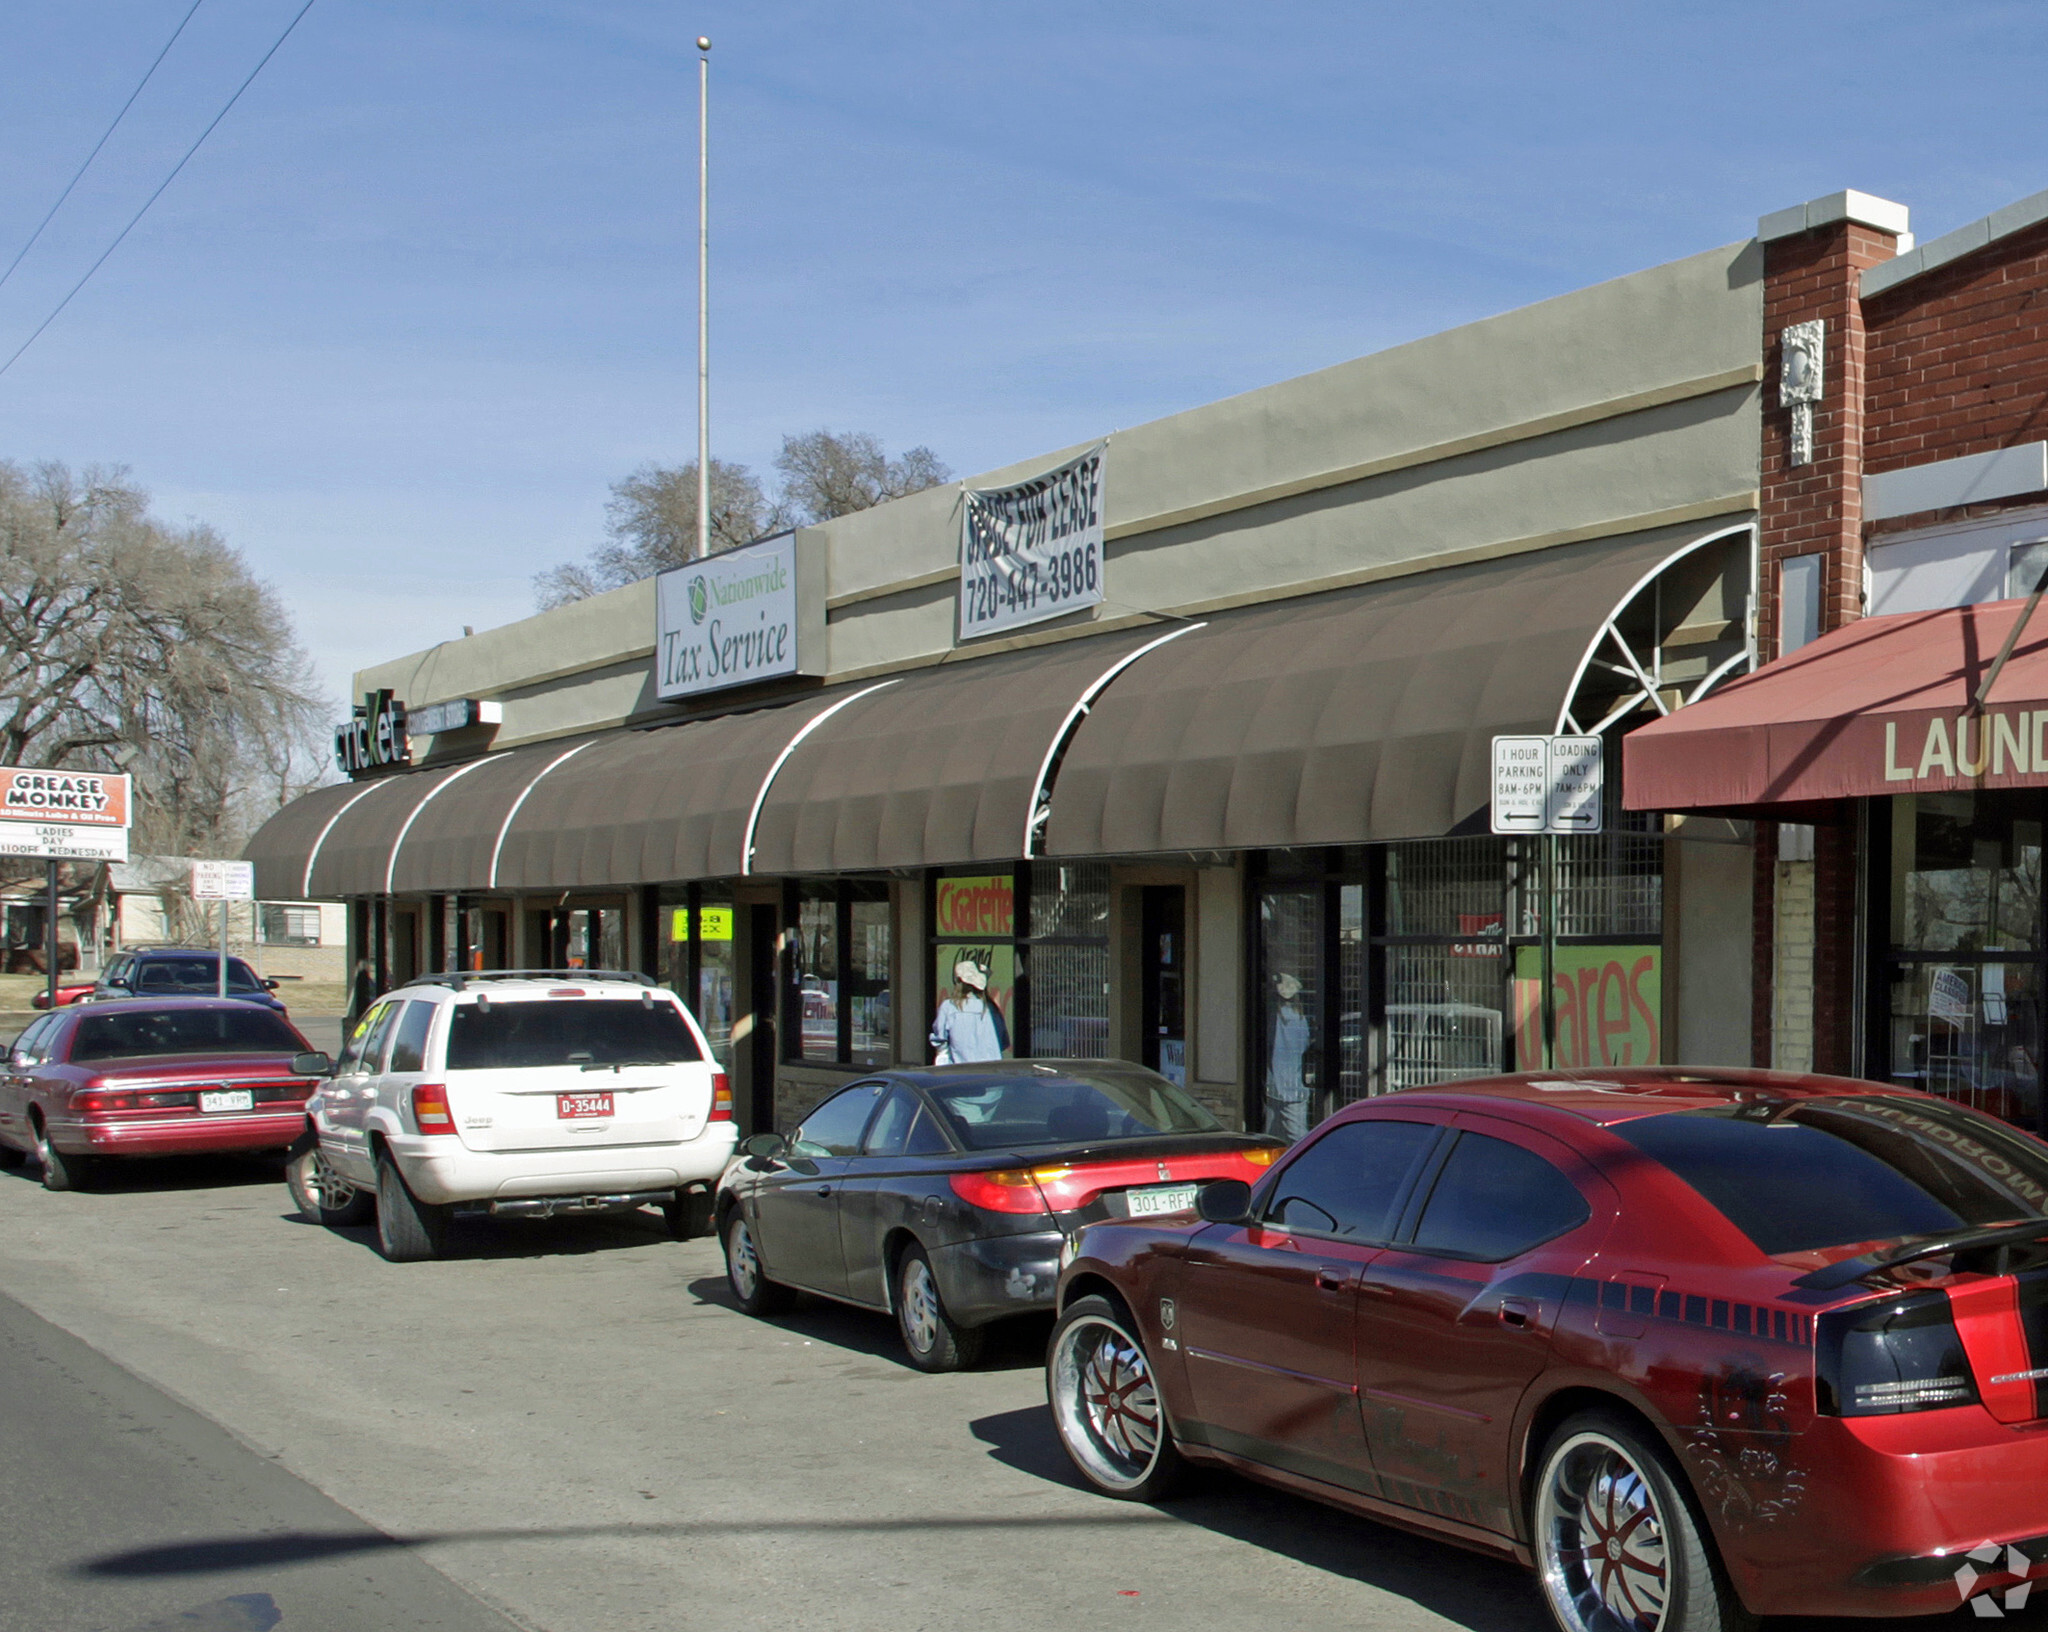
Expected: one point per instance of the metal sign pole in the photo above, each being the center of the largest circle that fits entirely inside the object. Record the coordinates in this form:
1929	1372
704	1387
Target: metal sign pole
1547	893
51	880
223	949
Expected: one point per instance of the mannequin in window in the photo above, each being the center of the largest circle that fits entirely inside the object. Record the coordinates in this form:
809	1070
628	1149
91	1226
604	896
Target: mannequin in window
969	1028
1286	1085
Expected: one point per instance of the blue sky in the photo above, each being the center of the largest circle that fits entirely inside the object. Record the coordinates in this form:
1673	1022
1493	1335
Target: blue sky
430	288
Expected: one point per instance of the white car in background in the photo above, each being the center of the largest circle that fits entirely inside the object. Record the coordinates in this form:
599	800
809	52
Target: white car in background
525	1093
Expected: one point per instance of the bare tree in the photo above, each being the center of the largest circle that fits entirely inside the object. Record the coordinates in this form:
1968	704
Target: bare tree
126	641
650	522
651	517
829	473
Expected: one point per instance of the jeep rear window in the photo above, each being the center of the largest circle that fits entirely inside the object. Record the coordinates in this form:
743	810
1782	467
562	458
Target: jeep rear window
564	1031
1801	1175
244	1029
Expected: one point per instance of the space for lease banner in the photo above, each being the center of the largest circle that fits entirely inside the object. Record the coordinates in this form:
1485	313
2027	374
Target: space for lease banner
1032	551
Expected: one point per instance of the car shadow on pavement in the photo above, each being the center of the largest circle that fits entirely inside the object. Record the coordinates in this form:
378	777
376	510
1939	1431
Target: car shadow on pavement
160	1174
486	1239
1480	1593
1012	1345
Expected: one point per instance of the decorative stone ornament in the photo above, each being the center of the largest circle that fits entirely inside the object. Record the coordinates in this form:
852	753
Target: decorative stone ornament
1799	381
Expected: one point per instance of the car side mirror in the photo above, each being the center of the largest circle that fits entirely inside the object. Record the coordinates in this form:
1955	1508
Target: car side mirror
1224	1201
118	986
765	1147
270	985
312	1065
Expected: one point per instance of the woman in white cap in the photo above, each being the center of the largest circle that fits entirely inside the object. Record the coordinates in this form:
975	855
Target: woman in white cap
969	1028
1286	1087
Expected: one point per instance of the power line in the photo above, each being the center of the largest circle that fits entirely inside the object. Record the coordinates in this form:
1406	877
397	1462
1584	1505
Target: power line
226	108
102	142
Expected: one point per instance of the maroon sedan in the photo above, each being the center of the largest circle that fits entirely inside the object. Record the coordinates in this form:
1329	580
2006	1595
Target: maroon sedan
149	1077
1696	1345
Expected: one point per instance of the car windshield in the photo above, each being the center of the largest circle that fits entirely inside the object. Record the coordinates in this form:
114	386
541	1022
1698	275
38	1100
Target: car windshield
244	1029
563	1031
1066	1105
194	975
1804	1175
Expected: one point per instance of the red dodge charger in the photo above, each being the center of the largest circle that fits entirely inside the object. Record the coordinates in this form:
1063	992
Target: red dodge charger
149	1077
1696	1345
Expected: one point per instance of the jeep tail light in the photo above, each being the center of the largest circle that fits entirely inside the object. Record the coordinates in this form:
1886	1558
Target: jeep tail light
1884	1359
721	1097
1007	1190
430	1108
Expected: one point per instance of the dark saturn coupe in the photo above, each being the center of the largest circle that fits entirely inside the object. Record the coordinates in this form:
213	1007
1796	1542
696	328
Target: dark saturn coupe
945	1196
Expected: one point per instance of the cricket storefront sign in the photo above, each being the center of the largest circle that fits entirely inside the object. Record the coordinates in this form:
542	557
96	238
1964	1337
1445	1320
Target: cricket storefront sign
745	615
1032	551
63	815
375	737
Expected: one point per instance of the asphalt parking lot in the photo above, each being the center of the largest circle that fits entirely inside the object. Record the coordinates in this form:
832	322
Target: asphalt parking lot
570	1422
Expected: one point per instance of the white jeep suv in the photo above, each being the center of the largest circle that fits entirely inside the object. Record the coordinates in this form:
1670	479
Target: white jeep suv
518	1094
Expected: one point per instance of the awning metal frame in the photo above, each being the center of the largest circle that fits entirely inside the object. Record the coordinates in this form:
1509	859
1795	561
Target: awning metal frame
1646	669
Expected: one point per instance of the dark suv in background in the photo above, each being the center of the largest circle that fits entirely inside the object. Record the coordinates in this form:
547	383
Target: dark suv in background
182	972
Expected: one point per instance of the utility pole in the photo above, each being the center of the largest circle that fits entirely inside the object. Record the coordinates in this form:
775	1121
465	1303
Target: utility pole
703	296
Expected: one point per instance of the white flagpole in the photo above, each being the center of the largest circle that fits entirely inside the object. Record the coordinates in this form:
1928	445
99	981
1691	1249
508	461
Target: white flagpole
703	296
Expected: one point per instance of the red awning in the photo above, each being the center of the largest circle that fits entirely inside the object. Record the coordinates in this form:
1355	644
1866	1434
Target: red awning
1882	706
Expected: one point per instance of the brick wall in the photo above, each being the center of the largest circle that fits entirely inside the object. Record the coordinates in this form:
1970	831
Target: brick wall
1817	508
1956	358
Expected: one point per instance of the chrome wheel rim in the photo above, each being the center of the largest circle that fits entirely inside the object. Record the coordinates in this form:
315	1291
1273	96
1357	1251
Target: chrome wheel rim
920	1306
1601	1539
742	1267
1105	1403
327	1188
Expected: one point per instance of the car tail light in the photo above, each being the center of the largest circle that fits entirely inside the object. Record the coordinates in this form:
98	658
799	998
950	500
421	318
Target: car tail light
565	991
1879	1360
130	1099
430	1108
1261	1156
1007	1190
721	1097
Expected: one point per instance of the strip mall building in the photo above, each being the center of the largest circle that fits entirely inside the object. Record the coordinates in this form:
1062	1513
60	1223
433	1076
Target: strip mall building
1219	800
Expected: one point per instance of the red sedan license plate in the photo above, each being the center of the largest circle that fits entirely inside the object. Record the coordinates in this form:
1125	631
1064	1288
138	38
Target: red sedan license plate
580	1105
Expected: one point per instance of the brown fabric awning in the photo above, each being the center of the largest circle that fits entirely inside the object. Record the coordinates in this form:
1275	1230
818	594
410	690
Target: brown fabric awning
1885	705
283	846
453	838
939	767
644	806
1353	715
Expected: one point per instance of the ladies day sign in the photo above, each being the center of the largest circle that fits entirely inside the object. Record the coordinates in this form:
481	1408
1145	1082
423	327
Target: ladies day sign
63	815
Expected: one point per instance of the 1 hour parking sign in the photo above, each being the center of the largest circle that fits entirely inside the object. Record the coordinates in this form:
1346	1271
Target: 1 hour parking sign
1546	784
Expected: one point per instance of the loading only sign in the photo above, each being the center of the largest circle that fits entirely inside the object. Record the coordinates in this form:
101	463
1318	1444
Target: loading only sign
63	815
1546	785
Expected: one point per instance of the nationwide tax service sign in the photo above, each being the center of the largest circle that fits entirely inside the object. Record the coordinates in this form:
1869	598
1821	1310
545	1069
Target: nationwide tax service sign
63	815
743	615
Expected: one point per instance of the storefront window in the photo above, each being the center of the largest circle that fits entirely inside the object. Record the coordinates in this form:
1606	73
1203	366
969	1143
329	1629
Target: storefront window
1289	1048
1446	982
1067	959
1964	920
815	947
841	962
1966	872
696	928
